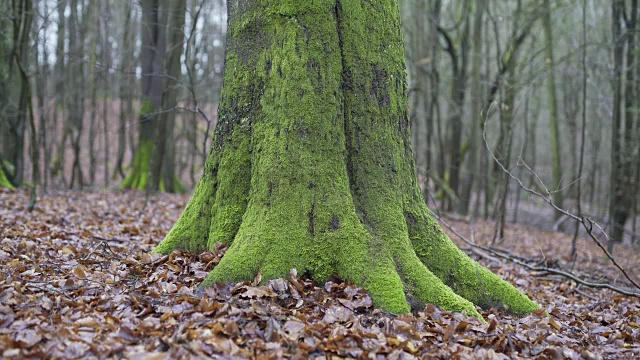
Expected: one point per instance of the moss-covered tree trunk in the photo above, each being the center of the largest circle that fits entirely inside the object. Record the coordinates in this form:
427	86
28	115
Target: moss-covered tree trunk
162	43
311	165
4	181
163	175
154	42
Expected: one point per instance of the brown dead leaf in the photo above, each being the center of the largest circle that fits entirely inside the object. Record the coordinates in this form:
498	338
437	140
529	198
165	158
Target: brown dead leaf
79	272
553	323
448	332
28	338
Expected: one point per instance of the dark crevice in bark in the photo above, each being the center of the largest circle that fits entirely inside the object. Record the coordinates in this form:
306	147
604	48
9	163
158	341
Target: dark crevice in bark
335	223
378	88
312	229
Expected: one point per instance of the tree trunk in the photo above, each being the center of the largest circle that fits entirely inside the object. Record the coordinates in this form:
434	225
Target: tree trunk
91	32
553	110
154	22
106	98
76	102
124	91
311	166
473	164
435	168
617	195
57	165
456	112
623	176
163	159
420	55
5	92
42	70
16	49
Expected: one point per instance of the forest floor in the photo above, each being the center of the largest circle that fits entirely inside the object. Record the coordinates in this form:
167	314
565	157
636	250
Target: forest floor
77	281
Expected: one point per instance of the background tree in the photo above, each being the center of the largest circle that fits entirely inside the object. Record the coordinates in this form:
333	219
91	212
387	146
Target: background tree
16	93
84	67
163	159
153	31
624	144
553	107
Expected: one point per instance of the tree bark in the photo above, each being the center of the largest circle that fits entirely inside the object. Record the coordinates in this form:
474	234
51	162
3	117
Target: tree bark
311	166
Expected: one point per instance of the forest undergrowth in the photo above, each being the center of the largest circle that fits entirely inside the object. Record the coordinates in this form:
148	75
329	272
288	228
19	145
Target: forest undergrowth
77	281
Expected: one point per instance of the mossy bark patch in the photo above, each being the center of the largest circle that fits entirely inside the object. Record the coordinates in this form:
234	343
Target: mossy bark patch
311	165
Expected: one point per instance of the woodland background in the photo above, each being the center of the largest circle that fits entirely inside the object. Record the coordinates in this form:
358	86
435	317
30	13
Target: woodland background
548	89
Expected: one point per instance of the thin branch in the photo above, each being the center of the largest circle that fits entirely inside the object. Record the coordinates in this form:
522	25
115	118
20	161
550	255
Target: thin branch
194	23
587	223
544	269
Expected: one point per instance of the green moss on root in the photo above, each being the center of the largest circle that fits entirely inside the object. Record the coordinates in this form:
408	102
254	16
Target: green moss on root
4	181
138	178
461	273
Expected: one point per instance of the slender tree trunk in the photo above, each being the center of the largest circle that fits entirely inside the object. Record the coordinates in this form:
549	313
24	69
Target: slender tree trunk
90	31
22	17
583	130
420	55
154	23
617	211
42	73
622	177
192	125
76	102
433	114
124	92
473	164
163	175
57	165
458	91
507	119
106	96
553	110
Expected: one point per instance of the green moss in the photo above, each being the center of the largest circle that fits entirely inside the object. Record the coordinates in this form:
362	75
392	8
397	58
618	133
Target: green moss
233	188
4	182
139	176
191	230
461	273
146	108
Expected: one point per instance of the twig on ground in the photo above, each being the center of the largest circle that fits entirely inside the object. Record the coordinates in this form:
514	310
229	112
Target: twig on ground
107	239
104	244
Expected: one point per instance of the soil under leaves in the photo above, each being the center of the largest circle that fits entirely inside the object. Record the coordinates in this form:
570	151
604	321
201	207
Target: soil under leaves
77	281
